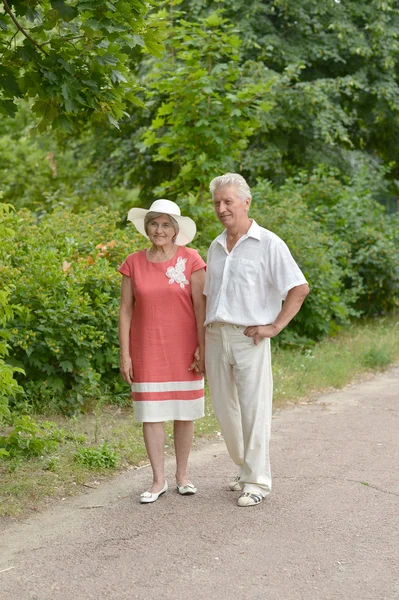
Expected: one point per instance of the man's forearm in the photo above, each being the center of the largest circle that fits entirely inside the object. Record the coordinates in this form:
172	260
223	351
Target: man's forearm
291	306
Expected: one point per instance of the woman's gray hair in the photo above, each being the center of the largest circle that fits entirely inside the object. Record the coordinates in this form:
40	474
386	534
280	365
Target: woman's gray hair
243	189
150	216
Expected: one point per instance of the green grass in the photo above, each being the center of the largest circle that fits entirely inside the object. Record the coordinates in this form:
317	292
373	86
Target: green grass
28	485
370	346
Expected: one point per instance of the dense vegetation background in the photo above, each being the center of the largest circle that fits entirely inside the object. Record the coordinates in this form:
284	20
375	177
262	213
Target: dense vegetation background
107	104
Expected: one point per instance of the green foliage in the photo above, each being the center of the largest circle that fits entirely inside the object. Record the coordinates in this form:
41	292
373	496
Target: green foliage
39	172
103	457
28	438
338	91
265	88
73	58
269	89
207	101
362	237
65	336
8	385
377	358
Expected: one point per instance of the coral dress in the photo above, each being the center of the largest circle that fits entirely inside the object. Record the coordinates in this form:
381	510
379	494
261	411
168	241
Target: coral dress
163	337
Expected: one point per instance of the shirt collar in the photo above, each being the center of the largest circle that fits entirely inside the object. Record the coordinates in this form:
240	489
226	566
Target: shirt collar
253	231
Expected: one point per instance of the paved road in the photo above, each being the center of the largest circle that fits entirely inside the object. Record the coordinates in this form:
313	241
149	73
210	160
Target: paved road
329	531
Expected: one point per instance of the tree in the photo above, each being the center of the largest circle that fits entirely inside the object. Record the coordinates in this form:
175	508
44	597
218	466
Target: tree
340	62
74	58
326	73
207	105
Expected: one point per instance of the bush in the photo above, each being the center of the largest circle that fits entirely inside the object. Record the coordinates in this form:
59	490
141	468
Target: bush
28	438
62	272
363	238
103	457
8	385
65	336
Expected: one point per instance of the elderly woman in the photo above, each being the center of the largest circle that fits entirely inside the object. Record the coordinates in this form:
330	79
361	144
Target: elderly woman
161	336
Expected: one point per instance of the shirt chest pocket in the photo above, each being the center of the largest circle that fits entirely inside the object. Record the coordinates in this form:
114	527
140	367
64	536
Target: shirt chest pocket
245	276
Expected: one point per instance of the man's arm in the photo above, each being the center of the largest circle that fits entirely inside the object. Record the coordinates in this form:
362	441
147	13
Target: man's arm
291	306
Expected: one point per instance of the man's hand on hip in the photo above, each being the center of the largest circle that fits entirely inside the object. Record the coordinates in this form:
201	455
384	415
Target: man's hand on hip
258	332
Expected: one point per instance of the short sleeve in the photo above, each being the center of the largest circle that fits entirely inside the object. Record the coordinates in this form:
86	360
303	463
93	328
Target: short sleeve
284	271
197	263
126	267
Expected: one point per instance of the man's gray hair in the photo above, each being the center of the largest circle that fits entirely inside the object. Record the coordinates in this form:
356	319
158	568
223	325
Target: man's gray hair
243	189
150	216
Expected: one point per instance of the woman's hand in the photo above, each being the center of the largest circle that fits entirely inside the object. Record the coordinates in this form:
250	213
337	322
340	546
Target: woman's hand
198	364
126	369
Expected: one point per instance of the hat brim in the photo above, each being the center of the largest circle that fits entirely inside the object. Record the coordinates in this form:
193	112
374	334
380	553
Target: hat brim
187	227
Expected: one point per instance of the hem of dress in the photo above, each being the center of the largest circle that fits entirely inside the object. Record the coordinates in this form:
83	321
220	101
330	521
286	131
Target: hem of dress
157	412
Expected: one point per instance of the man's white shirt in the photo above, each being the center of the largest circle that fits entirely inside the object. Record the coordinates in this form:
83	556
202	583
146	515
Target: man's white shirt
247	285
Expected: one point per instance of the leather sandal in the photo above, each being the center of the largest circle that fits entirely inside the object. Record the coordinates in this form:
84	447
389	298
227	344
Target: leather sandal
249	499
236	486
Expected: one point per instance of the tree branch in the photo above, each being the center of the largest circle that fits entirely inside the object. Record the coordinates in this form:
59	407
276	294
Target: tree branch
21	29
64	39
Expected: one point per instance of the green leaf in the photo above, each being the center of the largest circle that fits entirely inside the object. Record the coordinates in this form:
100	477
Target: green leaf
166	108
113	121
107	59
7	107
63	124
134	100
117	76
3	23
134	40
66	366
65	11
214	20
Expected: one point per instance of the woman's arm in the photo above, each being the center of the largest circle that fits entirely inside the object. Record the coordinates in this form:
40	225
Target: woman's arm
199	303
125	317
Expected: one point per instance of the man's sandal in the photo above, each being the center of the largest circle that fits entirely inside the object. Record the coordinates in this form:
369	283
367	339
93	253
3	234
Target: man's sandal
235	486
249	499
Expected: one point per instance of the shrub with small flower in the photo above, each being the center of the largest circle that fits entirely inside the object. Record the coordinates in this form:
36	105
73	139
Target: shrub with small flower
63	272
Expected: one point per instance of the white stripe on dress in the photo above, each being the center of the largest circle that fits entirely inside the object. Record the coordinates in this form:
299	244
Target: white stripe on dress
168	410
169	386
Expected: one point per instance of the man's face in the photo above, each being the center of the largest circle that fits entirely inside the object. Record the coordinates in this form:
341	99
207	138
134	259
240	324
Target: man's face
230	209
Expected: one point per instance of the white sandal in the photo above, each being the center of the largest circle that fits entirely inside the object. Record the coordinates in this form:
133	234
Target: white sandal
187	490
147	497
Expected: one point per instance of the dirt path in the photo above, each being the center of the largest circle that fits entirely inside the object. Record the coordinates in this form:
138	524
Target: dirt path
329	531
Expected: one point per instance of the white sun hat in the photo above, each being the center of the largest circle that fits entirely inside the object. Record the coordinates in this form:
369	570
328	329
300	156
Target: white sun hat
187	227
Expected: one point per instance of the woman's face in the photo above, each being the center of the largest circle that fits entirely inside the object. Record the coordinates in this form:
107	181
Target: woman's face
161	231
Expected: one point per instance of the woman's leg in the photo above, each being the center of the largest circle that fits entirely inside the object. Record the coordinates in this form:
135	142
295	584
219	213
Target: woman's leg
154	438
183	435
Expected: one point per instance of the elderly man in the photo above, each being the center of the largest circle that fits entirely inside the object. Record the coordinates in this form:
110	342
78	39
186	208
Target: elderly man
250	271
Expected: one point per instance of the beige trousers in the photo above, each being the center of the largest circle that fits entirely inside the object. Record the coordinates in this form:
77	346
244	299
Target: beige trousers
241	385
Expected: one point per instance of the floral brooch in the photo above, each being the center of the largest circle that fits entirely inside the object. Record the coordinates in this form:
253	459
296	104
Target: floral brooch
176	273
